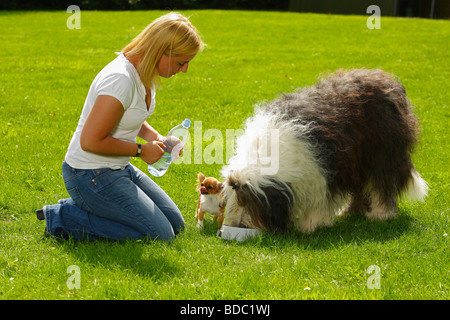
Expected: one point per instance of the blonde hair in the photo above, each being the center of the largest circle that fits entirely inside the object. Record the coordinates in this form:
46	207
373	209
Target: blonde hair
171	34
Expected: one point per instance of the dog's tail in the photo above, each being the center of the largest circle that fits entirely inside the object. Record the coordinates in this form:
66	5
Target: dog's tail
417	188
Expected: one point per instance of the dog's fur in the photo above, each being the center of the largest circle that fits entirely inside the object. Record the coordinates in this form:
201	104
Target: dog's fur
344	147
210	199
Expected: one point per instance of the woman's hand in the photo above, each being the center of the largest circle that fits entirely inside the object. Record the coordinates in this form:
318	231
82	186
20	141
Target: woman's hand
152	151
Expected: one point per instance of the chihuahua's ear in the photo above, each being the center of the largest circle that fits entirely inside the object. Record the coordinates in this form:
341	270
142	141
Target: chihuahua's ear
220	185
201	177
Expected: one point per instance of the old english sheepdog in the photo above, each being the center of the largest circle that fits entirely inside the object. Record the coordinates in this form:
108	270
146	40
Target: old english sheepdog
340	146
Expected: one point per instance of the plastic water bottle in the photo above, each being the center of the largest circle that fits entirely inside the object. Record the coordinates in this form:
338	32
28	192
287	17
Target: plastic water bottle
175	140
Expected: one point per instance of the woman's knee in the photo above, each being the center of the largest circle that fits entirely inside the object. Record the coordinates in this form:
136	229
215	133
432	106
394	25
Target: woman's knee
163	233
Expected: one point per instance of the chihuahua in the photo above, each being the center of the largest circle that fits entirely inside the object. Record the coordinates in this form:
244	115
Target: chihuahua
210	199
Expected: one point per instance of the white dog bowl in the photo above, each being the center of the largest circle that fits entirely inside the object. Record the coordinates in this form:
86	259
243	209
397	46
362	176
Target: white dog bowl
238	234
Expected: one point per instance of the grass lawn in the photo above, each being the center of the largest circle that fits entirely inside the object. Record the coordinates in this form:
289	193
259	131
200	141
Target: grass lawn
46	71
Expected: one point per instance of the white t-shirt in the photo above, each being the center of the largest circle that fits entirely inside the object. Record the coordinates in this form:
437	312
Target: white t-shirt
120	80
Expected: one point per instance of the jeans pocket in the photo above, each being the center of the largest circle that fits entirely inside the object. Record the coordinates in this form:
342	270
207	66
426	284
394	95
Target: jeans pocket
104	177
70	173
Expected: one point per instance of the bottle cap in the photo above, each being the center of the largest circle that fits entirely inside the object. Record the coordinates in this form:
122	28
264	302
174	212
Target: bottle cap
186	123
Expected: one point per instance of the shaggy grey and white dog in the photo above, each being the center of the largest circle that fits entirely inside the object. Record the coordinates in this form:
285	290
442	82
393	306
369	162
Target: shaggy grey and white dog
341	146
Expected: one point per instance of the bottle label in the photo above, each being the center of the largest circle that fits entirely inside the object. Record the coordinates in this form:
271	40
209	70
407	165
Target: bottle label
173	146
163	162
174	143
176	151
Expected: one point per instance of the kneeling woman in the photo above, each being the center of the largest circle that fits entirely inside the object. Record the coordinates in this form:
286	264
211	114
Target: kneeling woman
109	197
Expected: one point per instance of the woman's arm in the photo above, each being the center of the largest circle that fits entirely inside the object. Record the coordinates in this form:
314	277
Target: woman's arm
102	119
148	133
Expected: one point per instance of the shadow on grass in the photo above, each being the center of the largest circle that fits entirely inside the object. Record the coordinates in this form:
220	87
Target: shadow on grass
130	255
346	230
355	229
136	257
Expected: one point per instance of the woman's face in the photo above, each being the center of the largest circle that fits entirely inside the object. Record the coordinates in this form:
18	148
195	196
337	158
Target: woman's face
169	66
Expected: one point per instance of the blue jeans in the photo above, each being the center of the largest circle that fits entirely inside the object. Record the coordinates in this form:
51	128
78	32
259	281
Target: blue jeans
113	204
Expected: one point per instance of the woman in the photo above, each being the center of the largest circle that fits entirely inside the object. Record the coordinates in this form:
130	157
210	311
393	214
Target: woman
109	197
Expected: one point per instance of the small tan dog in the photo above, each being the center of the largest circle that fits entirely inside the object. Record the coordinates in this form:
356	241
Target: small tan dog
210	199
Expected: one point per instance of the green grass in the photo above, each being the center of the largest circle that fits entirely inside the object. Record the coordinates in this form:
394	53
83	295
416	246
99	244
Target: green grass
46	71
